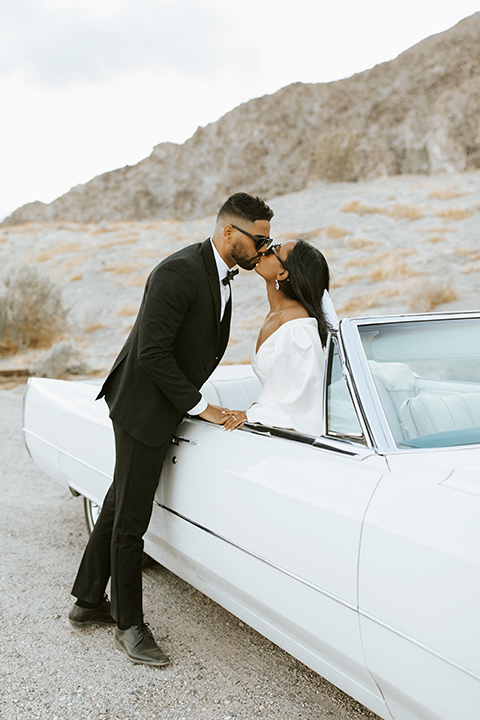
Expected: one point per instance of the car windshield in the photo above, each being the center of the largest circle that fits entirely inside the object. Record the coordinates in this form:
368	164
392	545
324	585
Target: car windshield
427	375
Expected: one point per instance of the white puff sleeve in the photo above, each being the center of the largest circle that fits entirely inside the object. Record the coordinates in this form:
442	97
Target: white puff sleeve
291	369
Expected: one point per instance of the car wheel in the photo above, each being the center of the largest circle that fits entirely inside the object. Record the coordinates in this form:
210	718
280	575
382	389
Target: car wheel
92	511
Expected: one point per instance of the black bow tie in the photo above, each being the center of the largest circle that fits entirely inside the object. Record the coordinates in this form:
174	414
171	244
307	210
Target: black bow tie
229	276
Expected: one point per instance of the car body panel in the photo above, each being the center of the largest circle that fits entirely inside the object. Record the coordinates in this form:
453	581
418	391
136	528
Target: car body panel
358	556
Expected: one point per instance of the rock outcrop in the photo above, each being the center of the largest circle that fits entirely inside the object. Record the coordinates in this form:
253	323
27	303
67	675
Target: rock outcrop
419	113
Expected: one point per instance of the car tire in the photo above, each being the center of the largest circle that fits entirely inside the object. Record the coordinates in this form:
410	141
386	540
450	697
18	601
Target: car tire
92	511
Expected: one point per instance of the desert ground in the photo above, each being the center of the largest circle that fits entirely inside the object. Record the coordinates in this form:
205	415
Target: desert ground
221	669
395	245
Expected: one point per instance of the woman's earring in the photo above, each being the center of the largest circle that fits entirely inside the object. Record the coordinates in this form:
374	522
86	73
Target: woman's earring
277	286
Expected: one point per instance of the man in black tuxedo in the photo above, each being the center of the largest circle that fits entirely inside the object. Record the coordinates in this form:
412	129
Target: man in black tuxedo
179	337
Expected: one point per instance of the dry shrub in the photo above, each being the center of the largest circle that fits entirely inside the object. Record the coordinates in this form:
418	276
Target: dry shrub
399	212
463	250
286	236
454	213
76	278
138	280
44	256
436	239
118	241
3	240
448	194
124	268
32	313
93	327
433	230
310	235
358	262
68	248
475	257
406	212
471	267
347	279
361	244
430	296
62	359
355	206
255	322
358	304
336	158
127	309
335	232
145	253
391	268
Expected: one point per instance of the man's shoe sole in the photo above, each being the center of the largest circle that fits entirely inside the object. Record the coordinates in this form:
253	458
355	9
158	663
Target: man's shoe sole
136	661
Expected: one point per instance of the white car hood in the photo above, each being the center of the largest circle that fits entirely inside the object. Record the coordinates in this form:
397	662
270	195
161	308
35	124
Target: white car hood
457	468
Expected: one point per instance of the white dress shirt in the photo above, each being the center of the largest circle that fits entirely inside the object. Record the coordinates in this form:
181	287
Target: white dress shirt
222	269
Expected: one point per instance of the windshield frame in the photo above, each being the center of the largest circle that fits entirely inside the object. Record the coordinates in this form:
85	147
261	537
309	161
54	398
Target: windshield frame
363	381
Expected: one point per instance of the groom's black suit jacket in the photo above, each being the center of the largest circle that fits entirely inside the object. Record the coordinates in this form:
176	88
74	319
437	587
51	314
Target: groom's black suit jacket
174	346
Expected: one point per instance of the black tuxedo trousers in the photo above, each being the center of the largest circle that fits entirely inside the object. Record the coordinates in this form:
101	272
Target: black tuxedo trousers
175	344
116	545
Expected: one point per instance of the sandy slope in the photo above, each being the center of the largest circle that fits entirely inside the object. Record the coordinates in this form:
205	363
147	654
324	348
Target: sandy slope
395	245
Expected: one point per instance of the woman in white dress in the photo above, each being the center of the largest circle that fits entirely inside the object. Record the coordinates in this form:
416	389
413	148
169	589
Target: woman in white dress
288	358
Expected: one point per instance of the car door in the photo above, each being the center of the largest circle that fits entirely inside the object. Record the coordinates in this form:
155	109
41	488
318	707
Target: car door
270	526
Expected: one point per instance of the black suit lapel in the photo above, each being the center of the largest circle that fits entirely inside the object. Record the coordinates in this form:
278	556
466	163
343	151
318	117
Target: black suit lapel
213	280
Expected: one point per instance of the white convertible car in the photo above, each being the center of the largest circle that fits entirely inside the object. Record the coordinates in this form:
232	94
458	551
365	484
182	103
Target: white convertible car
357	551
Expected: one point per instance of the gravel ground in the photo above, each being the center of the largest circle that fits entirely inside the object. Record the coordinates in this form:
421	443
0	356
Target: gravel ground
220	667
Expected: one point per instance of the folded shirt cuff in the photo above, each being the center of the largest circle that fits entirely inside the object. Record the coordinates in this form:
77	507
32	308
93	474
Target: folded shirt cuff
199	407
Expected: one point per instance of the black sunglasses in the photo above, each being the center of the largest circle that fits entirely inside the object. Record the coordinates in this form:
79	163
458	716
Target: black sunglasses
272	250
259	240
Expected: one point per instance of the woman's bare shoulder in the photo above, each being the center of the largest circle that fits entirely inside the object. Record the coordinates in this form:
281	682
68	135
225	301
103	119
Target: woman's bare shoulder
293	312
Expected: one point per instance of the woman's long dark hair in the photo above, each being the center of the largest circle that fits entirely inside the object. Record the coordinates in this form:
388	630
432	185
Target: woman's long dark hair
309	277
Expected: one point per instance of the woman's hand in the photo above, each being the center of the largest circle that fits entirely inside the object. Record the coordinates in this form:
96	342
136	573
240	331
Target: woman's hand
235	419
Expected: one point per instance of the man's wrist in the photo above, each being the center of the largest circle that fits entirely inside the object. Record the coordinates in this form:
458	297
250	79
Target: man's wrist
199	408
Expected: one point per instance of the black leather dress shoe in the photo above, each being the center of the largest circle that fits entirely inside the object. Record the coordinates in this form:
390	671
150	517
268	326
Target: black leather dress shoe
138	643
79	617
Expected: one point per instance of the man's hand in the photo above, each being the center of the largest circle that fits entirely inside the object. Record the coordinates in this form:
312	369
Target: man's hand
214	414
234	419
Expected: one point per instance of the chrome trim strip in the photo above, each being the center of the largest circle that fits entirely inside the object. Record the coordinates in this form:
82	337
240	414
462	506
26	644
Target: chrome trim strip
331	596
327	594
62	452
419	644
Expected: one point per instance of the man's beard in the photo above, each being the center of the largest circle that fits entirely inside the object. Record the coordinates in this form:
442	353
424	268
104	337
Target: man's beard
244	261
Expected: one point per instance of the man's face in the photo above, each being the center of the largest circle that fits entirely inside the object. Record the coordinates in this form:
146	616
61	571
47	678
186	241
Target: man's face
242	247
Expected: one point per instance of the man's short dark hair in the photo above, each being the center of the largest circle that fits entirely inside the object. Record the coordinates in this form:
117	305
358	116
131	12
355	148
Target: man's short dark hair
243	206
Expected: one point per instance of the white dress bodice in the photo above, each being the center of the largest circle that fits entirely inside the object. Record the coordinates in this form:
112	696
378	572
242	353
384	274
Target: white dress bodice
290	367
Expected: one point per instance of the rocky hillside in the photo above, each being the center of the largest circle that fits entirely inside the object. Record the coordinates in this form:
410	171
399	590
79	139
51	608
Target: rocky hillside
417	114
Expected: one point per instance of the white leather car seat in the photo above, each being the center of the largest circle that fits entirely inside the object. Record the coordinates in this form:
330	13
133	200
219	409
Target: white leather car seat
427	414
232	386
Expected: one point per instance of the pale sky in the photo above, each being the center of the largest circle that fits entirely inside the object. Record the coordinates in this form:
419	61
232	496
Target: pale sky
87	86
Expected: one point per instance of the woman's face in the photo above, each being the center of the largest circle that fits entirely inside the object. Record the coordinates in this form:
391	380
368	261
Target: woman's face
269	266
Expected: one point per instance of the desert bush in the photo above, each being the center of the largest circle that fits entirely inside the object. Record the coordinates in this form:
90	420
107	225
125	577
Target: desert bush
448	194
62	359
431	296
32	313
406	212
336	158
335	232
455	213
356	206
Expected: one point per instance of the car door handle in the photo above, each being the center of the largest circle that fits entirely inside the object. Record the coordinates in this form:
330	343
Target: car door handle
178	439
